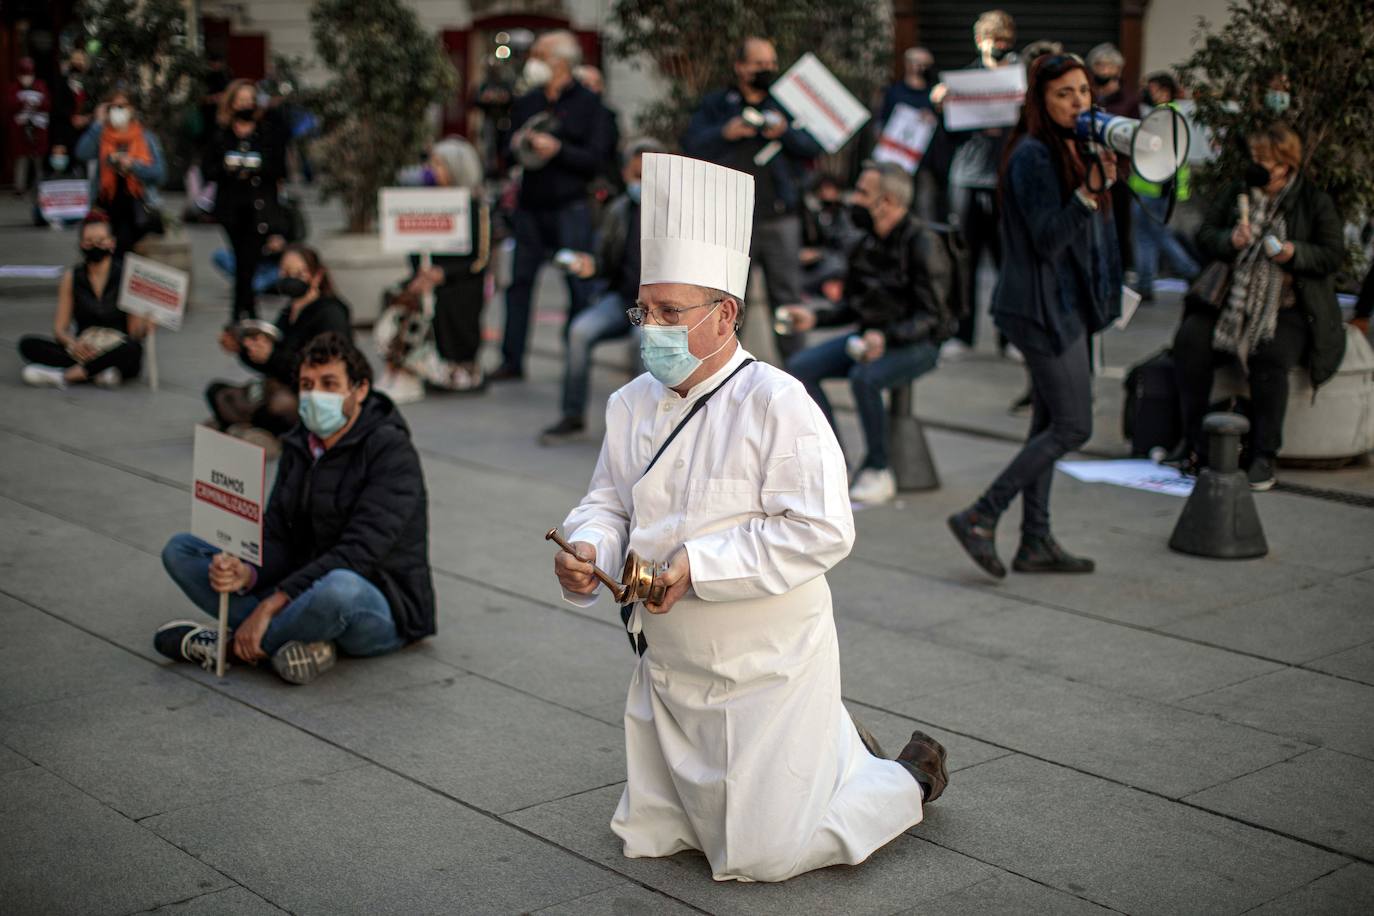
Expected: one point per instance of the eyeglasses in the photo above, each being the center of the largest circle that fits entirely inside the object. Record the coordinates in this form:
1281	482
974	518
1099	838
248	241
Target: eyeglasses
666	314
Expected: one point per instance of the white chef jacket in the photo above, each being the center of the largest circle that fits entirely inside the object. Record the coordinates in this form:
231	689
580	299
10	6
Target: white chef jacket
736	739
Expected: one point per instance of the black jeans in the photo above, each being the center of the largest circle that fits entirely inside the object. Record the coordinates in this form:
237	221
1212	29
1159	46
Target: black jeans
458	317
1061	392
978	217
127	357
539	234
1269	365
246	244
776	248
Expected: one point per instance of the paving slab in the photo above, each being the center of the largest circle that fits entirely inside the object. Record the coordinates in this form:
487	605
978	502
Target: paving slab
367	841
1305	705
1296	626
907	871
1006	894
1116	846
893	732
148	749
1109	655
1126	739
65	852
235	901
489	745
1357	664
1348	891
10	760
905	601
896	671
622	900
1322	796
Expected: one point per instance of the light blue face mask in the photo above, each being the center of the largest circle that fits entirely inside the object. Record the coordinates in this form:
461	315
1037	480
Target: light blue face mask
322	412
1277	101
59	162
632	189
667	353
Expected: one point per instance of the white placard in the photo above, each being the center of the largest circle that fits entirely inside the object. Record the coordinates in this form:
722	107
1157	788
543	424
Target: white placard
819	103
228	494
152	290
436	220
905	137
64	199
983	98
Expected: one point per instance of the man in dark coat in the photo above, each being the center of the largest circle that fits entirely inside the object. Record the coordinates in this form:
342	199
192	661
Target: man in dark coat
345	540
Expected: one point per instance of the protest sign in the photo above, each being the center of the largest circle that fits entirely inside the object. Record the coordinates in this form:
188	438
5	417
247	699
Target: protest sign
426	220
905	138
64	199
819	103
983	98
152	290
228	498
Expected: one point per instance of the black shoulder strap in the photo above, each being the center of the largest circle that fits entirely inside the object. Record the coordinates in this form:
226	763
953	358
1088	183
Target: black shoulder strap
696	409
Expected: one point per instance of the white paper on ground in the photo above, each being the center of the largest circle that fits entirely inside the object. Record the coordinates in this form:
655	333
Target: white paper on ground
31	271
1135	473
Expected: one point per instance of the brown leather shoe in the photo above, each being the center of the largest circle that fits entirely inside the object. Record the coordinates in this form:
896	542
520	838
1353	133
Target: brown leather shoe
924	759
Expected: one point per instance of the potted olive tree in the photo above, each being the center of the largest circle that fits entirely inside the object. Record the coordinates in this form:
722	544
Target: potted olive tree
387	73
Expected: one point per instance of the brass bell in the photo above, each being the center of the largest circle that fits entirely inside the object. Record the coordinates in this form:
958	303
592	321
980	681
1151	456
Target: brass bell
639	580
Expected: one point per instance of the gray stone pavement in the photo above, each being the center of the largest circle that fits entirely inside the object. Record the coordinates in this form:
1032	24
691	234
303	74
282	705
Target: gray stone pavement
1170	735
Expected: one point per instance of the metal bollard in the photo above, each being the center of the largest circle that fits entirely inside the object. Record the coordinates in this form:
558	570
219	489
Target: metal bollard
1219	520
909	453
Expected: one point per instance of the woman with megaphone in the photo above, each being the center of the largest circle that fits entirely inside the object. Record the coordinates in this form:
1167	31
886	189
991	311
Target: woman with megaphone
1267	299
1060	283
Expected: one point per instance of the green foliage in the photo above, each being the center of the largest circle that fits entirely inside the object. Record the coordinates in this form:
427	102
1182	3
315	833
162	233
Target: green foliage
1326	52
693	44
145	45
388	69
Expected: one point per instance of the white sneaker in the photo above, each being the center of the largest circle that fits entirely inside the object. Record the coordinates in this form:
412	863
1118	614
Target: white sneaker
954	349
873	486
43	376
402	386
1015	355
108	378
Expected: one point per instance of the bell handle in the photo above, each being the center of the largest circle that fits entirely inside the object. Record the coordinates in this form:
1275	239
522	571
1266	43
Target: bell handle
617	590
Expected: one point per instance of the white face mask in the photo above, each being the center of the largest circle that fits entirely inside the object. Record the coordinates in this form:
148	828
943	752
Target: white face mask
120	117
537	73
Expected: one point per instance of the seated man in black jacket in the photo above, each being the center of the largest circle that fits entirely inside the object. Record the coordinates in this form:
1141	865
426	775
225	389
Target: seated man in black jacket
897	290
345	539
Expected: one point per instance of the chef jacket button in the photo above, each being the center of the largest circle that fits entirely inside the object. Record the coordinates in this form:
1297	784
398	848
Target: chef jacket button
680	462
667	407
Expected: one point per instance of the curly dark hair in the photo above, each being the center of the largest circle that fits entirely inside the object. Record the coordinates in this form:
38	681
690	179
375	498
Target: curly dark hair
332	346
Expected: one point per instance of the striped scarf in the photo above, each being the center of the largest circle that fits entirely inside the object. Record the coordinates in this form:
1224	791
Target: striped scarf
1251	313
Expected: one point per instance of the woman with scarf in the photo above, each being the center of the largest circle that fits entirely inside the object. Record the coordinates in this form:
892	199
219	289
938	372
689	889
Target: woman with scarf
128	169
1279	308
1060	283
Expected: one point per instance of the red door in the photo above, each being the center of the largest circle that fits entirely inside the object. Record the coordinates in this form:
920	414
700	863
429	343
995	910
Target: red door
247	56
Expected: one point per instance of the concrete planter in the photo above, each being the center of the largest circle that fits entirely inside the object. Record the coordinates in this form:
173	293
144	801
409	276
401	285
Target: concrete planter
361	270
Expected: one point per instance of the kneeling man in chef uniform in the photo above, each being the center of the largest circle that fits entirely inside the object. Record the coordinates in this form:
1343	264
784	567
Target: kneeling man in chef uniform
724	471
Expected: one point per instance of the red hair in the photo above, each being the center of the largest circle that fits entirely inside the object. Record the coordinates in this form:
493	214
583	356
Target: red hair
1036	122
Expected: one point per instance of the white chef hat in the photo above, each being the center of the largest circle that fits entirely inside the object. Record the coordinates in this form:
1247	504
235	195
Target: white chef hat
695	223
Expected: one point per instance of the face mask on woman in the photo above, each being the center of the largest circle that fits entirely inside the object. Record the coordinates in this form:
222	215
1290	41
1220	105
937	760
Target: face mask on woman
291	287
1257	176
59	162
667	352
1277	101
94	254
120	116
245	114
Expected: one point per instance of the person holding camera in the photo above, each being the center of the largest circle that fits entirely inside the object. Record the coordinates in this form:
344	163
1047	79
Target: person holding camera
1279	307
1060	282
743	128
897	292
270	350
246	158
563	138
128	169
345	538
93	341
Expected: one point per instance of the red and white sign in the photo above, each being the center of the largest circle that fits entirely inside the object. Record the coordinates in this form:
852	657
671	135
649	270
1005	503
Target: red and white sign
228	494
983	98
906	137
436	220
64	199
152	290
819	103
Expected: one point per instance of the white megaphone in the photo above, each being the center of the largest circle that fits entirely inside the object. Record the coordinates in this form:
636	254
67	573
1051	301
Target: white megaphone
1158	145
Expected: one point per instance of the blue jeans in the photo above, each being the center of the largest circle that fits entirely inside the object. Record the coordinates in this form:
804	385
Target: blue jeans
1153	238
898	366
603	320
341	606
266	274
539	234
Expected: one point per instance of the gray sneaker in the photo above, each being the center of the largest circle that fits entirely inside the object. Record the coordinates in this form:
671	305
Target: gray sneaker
301	662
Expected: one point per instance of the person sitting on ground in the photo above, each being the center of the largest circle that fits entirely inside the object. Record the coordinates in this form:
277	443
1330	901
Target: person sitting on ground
105	347
616	266
345	538
897	290
1280	307
312	308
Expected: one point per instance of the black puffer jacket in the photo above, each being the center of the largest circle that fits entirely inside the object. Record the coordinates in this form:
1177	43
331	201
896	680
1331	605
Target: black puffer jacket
362	507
